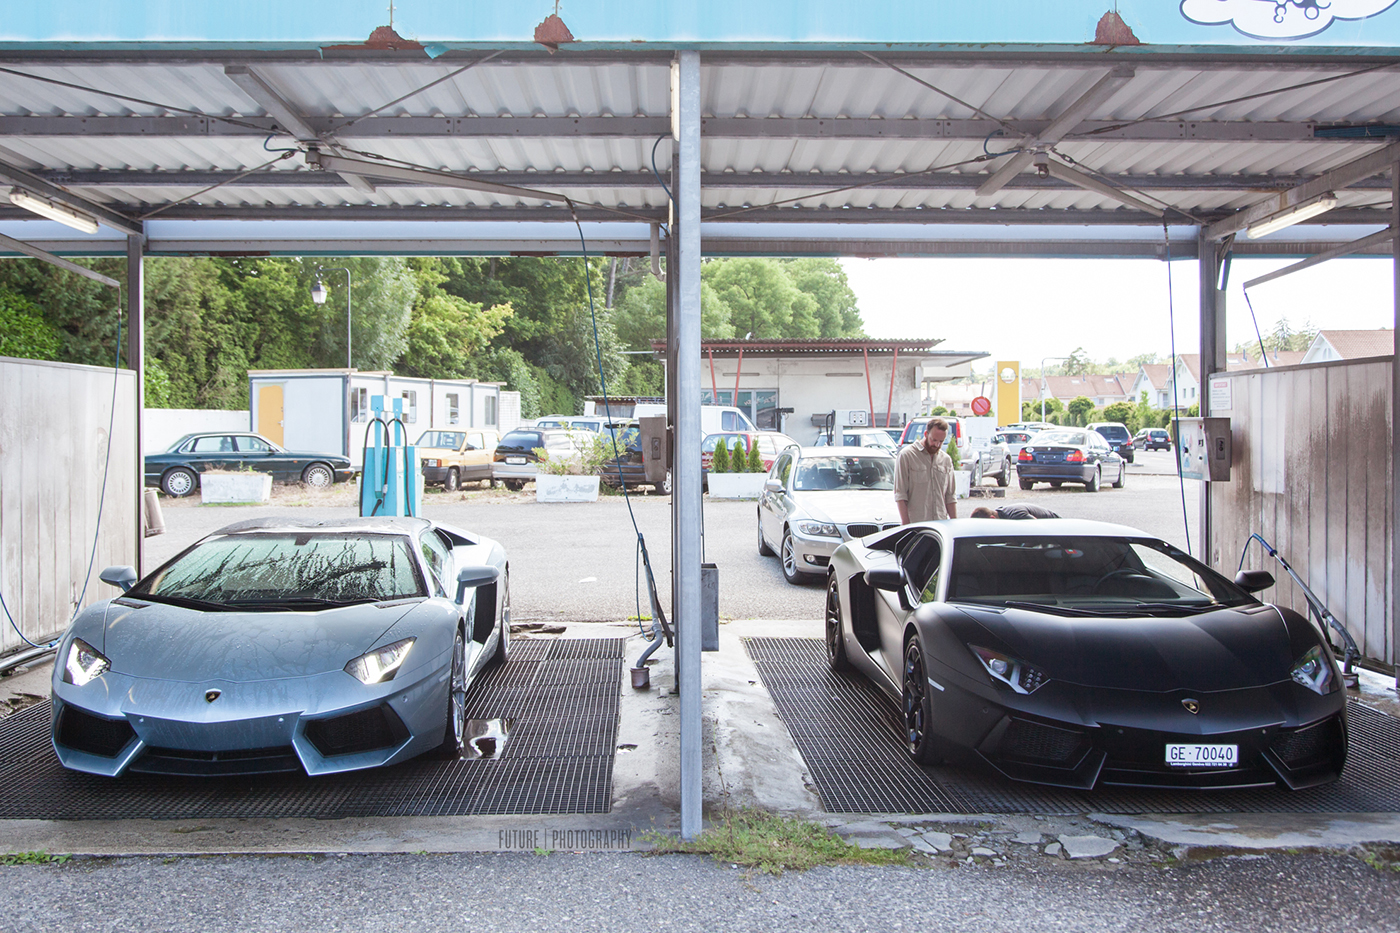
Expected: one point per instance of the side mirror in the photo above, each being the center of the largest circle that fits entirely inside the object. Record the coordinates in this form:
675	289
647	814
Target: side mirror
124	577
773	485
1252	581
474	576
891	580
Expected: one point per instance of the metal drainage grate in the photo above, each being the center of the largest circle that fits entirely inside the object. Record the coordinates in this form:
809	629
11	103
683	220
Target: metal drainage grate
849	735
562	695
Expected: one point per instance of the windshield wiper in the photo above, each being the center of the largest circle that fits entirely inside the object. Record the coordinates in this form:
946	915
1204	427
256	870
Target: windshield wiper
298	602
185	602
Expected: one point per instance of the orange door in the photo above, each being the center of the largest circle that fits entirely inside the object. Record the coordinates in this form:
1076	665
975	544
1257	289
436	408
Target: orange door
270	413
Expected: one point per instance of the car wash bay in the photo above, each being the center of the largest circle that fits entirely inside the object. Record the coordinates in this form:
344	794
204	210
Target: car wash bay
1067	151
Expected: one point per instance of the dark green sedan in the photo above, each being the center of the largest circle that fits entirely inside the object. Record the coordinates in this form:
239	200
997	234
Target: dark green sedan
177	470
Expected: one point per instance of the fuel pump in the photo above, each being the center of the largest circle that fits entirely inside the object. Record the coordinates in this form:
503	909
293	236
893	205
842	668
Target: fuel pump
390	482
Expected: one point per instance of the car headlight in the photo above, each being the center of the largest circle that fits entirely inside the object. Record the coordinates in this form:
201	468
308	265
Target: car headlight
381	664
84	665
819	529
432	463
1015	673
1313	671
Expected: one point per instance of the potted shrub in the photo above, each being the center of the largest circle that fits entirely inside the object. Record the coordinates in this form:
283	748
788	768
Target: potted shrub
737	482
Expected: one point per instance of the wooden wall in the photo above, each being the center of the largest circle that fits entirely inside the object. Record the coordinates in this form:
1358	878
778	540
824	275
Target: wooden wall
53	448
1312	474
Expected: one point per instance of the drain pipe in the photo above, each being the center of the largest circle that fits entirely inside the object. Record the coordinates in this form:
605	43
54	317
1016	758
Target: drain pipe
24	657
656	253
660	632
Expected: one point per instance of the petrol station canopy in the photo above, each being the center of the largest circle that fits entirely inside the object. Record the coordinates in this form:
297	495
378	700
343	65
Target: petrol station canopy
259	144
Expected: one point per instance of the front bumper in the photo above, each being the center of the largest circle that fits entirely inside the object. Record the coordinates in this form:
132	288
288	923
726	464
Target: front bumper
813	552
345	474
1083	738
320	724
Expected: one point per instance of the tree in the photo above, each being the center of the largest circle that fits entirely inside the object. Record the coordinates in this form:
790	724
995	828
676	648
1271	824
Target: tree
834	304
445	331
23	331
755	464
719	463
640	315
1121	412
1143	359
1078	363
1079	409
762	300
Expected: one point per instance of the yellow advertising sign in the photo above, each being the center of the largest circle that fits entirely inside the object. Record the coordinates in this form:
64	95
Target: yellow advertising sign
1008	392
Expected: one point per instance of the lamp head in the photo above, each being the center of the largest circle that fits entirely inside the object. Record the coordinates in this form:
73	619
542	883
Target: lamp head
318	292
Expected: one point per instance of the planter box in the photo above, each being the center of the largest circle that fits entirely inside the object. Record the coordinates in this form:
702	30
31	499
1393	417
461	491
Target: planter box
736	485
234	488
552	488
962	484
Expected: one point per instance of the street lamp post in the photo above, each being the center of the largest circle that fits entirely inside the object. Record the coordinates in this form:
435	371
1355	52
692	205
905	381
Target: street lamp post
318	295
1044	382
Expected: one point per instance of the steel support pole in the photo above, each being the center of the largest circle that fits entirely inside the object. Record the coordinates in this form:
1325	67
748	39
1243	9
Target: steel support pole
685	100
136	362
1213	360
1394	433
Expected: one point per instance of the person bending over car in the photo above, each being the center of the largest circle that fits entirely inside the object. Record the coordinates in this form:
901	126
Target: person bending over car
1015	510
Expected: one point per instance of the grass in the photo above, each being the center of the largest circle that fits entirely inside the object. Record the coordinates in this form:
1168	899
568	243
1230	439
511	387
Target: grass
33	858
772	844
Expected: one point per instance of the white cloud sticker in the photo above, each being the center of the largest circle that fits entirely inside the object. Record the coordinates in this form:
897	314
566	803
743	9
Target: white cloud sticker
1280	19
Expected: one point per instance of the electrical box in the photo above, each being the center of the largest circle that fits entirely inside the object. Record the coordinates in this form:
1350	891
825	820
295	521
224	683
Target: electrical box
656	448
852	418
709	607
1204	448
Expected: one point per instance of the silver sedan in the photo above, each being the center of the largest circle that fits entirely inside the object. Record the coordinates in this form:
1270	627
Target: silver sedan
817	497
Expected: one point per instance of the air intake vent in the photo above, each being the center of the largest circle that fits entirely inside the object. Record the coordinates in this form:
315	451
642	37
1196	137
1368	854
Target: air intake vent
1306	746
378	727
1036	742
93	734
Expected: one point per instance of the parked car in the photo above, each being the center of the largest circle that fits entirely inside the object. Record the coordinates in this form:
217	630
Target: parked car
515	461
572	423
896	435
284	645
995	459
1069	455
1117	436
1082	654
857	437
450	458
1152	439
1012	440
176	471
914	430
817	497
1031	427
628	468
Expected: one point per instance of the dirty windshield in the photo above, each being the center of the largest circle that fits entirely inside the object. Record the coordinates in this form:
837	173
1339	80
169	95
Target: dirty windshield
287	571
829	473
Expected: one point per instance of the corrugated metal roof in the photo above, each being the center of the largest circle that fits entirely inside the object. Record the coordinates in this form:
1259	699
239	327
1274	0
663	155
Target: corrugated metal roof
740	93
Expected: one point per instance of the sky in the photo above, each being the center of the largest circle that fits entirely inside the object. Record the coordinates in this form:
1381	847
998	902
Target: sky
1028	309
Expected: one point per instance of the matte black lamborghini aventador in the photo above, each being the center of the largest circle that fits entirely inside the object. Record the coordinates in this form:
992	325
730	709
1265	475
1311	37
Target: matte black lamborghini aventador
1082	654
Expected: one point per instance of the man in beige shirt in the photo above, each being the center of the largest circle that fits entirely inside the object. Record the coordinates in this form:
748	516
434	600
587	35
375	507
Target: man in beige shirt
923	477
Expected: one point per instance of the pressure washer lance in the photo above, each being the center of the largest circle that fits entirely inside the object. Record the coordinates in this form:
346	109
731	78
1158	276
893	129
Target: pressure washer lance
1351	654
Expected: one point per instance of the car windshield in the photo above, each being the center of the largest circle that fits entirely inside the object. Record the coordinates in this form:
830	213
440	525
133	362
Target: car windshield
1087	575
448	439
287	570
827	473
1067	438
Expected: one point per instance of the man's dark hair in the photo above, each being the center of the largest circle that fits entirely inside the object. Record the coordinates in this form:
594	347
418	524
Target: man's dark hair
983	512
938	423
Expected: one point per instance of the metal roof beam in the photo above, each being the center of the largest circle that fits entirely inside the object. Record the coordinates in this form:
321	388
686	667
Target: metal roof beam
1058	128
28	249
913	181
287	116
332	163
16	176
1381	238
648	128
1344	176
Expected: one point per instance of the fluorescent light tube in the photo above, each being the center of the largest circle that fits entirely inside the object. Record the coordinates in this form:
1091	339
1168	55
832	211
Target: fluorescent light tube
44	208
1318	205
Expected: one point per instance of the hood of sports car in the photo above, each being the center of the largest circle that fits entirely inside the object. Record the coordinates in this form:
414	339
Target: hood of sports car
1227	649
174	643
849	505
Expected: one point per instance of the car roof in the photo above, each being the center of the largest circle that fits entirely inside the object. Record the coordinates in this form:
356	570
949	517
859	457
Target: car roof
846	452
1000	527
379	524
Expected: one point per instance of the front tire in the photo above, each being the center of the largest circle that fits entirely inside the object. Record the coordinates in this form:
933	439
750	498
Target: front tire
318	476
789	554
976	479
453	480
918	709
502	652
836	657
178	482
451	747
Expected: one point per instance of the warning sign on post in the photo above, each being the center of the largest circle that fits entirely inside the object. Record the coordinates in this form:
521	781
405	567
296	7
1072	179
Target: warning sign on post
1220	396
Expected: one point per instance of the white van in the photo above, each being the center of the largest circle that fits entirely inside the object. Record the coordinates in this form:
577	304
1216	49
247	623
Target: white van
715	419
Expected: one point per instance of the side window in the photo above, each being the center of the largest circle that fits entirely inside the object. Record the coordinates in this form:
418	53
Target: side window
214	444
248	442
452	409
438	559
410	406
359	405
920	557
475	441
728	422
491	410
782	469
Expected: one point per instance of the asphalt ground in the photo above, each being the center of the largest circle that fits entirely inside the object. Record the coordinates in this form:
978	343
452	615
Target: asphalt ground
578	562
532	892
